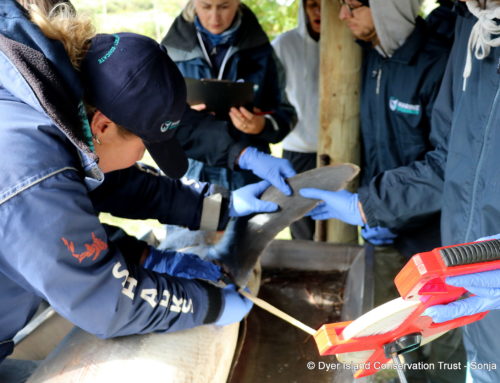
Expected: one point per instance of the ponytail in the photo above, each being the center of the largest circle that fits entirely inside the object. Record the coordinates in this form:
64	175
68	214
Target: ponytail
62	23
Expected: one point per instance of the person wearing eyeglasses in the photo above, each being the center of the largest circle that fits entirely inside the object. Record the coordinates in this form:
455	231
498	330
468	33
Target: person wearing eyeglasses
459	177
403	64
404	60
298	51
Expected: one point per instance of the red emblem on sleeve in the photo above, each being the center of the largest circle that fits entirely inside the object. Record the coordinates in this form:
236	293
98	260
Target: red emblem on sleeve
93	250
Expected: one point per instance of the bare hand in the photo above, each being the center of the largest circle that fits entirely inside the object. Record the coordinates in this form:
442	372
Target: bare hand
199	107
246	121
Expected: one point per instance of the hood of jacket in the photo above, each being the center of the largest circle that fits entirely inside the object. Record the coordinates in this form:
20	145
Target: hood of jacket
37	71
182	42
394	21
299	54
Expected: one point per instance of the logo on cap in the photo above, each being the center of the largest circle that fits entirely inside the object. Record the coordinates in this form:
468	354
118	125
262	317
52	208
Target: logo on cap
167	125
110	51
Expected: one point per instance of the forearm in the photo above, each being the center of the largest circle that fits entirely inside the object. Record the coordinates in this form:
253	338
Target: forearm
137	194
92	273
403	196
277	126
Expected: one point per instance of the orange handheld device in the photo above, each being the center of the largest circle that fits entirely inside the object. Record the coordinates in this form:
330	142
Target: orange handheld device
398	326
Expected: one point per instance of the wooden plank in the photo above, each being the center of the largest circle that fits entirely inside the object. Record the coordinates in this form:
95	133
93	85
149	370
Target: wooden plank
340	68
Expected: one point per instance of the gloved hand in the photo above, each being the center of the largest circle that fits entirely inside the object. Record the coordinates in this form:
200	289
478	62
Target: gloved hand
267	167
182	265
486	288
245	200
340	204
378	235
236	306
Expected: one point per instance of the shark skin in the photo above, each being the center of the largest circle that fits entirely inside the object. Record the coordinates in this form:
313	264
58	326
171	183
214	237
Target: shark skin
246	238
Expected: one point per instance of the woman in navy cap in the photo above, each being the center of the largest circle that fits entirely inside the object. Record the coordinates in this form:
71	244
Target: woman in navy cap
56	150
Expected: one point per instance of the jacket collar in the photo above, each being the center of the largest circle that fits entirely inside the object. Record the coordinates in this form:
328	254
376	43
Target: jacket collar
182	34
15	25
410	48
461	9
51	91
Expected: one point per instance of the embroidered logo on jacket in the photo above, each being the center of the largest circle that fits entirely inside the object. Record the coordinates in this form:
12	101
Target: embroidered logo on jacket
93	250
398	106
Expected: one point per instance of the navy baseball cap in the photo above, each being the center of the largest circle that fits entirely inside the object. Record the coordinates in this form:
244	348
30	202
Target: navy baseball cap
131	79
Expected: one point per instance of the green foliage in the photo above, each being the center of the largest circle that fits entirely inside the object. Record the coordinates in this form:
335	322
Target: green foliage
273	17
154	17
148	17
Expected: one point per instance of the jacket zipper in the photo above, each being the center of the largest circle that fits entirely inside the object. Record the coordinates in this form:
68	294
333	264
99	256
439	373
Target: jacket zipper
379	76
207	57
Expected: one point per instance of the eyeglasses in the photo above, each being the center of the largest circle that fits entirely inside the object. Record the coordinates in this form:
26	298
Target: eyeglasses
350	7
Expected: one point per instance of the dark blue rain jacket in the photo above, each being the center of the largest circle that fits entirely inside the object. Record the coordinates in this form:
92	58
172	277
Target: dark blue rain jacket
53	246
460	176
398	95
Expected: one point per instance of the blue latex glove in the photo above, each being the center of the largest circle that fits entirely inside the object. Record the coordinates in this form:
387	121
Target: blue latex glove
486	288
182	265
341	205
378	235
245	200
267	167
496	236
236	306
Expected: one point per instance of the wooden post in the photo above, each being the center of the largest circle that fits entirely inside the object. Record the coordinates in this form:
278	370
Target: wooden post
340	72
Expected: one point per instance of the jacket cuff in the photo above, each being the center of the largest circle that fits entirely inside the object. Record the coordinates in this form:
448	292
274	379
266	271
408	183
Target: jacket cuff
271	129
215	210
215	304
234	153
210	212
368	208
224	213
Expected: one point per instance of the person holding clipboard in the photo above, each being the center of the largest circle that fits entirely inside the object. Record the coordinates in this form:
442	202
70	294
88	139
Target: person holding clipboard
223	40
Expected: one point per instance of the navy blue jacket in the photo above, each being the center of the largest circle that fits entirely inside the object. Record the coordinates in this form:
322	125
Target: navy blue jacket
53	245
252	59
460	176
397	99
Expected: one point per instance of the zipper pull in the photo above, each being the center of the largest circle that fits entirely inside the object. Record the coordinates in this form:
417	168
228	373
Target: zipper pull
379	75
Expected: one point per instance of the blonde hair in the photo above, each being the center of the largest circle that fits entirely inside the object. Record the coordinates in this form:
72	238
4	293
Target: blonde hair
60	22
44	5
188	12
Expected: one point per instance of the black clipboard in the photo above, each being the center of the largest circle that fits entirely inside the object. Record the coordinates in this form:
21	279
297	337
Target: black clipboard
219	95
